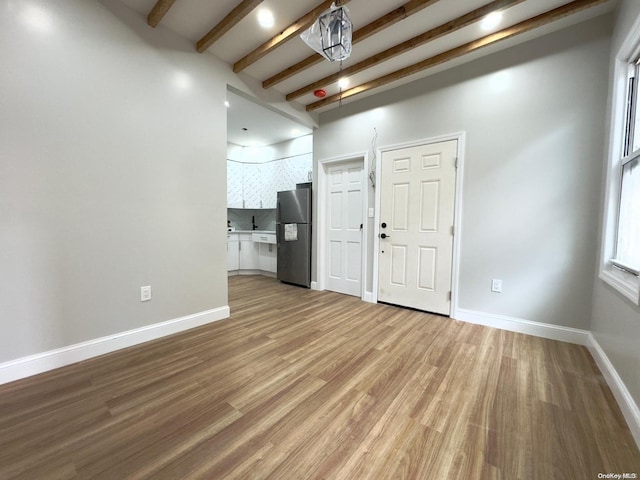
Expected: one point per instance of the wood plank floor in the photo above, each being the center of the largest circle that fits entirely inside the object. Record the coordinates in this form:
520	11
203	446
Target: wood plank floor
315	385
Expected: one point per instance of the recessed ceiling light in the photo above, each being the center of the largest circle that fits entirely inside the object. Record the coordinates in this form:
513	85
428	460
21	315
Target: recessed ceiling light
265	18
491	21
295	131
227	104
343	82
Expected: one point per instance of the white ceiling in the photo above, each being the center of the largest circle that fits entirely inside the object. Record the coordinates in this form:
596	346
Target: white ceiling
264	126
194	18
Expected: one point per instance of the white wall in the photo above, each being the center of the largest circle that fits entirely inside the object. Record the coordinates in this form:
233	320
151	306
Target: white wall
615	322
112	141
534	123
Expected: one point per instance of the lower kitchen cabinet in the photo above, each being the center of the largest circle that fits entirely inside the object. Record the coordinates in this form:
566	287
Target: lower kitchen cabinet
233	253
246	256
248	253
268	257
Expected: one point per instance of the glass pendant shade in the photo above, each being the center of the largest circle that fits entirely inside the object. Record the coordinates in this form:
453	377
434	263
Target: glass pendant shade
330	34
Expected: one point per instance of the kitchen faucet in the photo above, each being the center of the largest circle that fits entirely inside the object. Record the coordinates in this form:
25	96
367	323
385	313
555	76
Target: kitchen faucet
253	223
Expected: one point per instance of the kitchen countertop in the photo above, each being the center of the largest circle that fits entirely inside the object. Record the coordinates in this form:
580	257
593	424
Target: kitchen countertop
252	231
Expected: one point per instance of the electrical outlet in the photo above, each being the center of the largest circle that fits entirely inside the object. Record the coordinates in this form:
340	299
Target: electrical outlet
496	285
145	293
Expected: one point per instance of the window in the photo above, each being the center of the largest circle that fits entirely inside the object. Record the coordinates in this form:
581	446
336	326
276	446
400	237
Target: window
627	252
628	242
620	255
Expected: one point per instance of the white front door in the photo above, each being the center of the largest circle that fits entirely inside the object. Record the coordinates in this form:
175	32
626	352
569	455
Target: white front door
344	228
416	226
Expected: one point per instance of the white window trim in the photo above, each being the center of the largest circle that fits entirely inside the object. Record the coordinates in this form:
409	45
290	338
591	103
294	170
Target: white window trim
624	282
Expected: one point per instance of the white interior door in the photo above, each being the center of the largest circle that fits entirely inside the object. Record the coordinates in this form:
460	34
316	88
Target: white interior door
417	199
344	228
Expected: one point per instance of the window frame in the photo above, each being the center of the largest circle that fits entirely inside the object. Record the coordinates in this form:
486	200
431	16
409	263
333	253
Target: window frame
622	280
617	261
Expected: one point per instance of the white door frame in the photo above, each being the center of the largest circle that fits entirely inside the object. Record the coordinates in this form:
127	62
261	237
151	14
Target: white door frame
457	216
322	215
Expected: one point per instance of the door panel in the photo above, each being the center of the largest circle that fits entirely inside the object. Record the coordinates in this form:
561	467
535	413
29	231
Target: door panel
429	206
354	209
417	205
400	213
344	236
335	255
399	265
335	211
427	268
354	261
431	161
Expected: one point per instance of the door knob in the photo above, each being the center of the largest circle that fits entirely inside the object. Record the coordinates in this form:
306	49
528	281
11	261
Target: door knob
384	235
384	225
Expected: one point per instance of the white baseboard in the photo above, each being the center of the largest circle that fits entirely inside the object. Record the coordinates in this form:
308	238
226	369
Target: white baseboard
368	297
42	362
537	329
249	272
628	406
315	286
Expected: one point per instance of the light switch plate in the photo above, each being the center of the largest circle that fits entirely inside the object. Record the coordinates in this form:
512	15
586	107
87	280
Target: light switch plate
371	213
496	285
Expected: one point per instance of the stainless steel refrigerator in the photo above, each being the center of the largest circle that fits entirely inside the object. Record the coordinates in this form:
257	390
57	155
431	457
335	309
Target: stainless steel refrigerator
293	234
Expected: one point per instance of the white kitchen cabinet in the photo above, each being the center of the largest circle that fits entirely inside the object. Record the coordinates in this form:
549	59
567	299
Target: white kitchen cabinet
234	184
233	252
248	252
251	185
292	171
268	257
269	184
255	185
242	253
267	253
264	237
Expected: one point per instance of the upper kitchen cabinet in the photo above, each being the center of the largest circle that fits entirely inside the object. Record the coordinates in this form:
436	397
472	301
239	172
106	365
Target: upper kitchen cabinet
234	185
255	185
252	185
294	170
269	184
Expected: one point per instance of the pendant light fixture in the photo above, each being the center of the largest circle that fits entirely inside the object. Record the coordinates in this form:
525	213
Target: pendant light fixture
330	34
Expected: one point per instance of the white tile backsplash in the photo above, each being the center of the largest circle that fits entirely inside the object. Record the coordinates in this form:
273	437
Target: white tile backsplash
241	218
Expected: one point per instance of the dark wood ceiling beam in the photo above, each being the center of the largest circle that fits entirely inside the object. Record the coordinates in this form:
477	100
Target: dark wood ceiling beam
522	27
426	37
287	34
368	30
241	10
158	11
